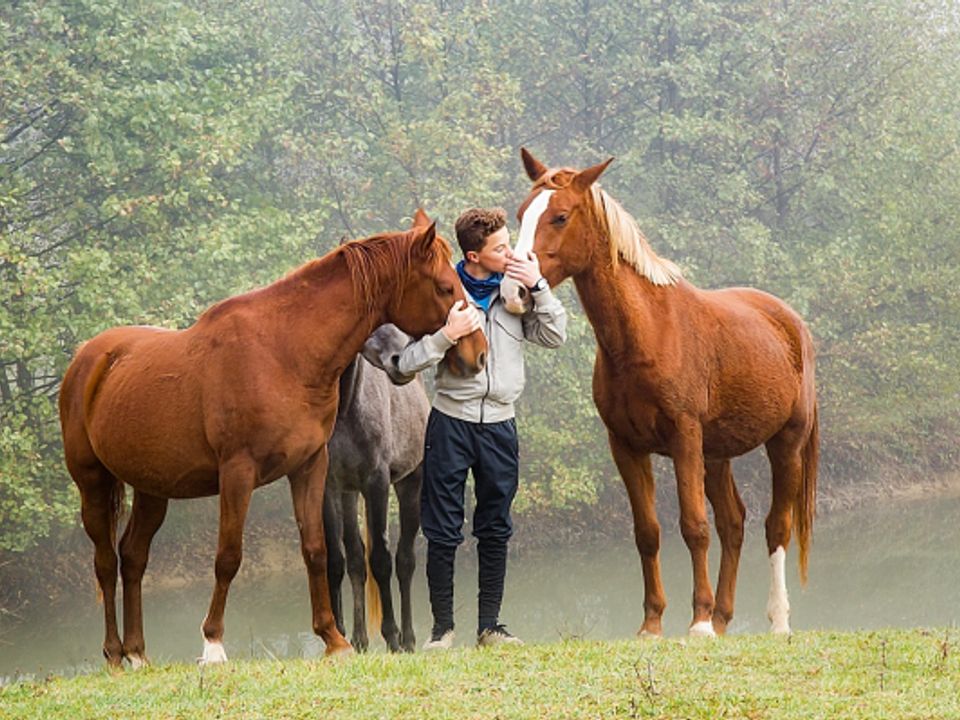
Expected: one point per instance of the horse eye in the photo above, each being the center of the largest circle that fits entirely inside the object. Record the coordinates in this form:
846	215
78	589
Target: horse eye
445	289
560	219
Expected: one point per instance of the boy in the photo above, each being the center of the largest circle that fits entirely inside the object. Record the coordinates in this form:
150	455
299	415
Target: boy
472	424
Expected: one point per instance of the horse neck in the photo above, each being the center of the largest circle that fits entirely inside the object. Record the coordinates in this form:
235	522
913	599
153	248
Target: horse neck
331	323
619	304
349	384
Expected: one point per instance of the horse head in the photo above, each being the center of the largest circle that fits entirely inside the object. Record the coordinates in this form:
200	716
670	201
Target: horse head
560	215
428	291
382	349
516	298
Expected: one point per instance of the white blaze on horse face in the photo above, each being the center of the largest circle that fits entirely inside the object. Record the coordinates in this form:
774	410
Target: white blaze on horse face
514	295
778	606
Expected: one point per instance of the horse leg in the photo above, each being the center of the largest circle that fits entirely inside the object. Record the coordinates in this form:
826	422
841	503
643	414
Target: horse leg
237	480
356	569
687	454
306	488
408	497
729	512
786	465
333	532
145	519
100	498
637	473
376	498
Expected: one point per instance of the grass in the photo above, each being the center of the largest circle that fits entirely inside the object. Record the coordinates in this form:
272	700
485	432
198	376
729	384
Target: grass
885	674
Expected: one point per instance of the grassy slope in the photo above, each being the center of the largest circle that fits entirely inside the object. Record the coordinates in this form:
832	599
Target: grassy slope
889	674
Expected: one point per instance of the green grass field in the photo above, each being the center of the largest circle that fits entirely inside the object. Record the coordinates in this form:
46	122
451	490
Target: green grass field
884	674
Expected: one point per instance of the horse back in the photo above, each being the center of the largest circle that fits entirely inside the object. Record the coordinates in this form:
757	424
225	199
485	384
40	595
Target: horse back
738	360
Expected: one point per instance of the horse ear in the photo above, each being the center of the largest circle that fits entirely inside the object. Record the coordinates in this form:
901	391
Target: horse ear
535	169
423	245
420	219
585	178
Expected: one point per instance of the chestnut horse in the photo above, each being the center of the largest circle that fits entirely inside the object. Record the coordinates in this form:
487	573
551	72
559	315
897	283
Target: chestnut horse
700	376
245	396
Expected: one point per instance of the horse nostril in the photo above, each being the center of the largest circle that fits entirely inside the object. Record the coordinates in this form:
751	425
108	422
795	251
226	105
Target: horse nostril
523	293
481	360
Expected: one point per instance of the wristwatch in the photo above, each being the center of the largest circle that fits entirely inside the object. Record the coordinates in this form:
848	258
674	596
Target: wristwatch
539	285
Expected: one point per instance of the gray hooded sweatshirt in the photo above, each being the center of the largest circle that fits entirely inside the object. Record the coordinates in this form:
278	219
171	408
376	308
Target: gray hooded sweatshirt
489	396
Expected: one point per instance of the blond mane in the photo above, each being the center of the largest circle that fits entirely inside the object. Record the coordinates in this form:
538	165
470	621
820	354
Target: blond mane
627	241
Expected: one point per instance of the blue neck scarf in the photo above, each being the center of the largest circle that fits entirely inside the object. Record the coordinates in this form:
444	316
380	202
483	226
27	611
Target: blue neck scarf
480	290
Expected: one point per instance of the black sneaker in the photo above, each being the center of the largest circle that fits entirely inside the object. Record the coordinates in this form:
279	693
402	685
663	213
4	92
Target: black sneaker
497	635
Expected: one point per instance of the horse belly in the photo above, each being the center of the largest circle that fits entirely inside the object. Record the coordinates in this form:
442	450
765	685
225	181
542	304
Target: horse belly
750	425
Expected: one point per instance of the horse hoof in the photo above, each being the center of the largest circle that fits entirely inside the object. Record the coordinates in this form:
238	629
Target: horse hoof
704	628
137	661
644	634
341	653
780	628
213	653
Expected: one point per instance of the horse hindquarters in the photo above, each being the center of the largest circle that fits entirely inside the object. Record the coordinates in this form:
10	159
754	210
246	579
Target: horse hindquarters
101	494
145	519
793	455
101	504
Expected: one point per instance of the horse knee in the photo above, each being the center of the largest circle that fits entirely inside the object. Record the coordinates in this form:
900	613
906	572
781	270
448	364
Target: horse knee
336	567
227	564
315	558
733	535
406	564
132	567
695	532
380	564
648	541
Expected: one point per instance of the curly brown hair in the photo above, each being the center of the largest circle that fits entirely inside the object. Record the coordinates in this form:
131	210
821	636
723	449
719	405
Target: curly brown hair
477	224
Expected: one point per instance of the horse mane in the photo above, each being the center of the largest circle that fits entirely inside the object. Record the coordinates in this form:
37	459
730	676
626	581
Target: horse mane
627	241
377	261
621	228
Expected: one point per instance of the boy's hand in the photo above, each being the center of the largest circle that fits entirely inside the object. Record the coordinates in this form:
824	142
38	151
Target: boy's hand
525	270
462	320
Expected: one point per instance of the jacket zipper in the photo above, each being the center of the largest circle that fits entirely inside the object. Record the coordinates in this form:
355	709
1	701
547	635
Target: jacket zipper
486	370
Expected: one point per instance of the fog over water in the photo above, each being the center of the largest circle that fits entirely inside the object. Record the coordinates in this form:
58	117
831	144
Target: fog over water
893	566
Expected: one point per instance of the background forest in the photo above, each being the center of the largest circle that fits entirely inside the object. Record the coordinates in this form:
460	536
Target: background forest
157	156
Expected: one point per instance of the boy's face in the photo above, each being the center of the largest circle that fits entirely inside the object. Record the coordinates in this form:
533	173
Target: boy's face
495	252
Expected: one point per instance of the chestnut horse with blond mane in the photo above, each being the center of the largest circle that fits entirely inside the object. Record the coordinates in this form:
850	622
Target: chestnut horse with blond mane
700	376
245	396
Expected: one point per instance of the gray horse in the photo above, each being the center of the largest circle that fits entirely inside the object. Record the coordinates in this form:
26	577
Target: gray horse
377	442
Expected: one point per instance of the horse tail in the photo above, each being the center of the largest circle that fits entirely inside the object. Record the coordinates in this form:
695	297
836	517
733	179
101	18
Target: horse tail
805	507
92	385
117	504
374	607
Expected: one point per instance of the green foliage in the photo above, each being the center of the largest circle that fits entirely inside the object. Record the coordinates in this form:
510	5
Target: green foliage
157	157
135	187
